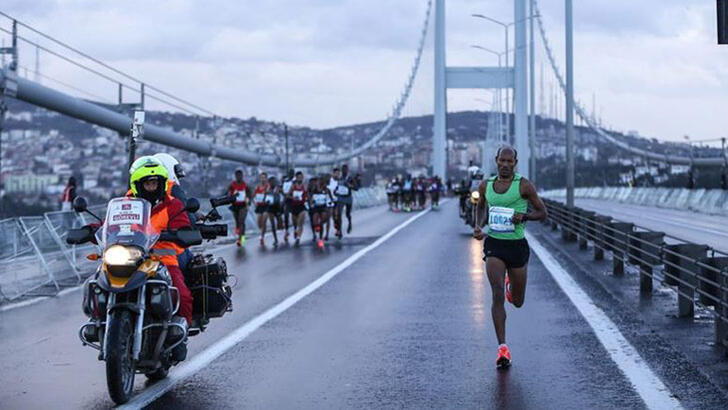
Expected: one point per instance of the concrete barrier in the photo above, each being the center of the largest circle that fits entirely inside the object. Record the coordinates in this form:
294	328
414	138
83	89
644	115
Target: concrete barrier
708	201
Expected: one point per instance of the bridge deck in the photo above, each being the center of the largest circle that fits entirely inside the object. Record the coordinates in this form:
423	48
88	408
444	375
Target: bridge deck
408	325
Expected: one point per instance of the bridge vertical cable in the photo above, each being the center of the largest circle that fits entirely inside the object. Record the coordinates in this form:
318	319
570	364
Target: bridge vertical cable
585	118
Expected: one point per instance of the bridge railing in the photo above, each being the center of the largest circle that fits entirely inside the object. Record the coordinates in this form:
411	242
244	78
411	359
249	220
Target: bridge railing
697	272
36	261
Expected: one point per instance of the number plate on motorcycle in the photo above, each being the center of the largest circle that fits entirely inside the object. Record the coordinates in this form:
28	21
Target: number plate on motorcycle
499	219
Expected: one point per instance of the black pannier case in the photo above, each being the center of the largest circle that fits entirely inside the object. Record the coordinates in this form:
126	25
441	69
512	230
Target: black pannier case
206	277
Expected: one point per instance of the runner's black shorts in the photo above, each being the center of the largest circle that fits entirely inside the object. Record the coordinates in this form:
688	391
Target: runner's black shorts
261	209
344	200
275	209
513	252
296	209
319	209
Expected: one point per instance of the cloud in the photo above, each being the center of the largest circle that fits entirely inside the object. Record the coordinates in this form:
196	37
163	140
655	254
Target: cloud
653	64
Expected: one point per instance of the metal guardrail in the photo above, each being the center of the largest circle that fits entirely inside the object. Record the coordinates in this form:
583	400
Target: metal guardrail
36	261
698	272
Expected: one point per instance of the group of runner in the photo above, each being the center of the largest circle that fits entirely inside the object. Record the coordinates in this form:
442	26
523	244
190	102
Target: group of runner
410	194
285	204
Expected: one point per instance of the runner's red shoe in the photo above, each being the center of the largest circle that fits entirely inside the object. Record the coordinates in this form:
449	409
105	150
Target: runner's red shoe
504	357
509	297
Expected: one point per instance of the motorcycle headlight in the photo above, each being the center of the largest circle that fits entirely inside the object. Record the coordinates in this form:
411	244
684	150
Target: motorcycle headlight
118	255
475	195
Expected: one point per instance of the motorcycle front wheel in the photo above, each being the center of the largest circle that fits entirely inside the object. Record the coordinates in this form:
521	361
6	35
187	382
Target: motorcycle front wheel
120	366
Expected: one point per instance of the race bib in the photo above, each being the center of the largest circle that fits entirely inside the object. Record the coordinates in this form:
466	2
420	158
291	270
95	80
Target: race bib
287	186
499	219
240	196
319	199
298	195
259	198
342	190
270	199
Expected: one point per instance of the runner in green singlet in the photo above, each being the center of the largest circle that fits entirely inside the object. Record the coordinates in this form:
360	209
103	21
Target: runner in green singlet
503	204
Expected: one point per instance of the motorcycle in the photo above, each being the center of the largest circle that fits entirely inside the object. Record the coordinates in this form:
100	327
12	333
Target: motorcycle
469	197
130	300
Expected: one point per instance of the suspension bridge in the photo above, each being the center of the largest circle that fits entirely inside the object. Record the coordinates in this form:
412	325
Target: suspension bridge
627	302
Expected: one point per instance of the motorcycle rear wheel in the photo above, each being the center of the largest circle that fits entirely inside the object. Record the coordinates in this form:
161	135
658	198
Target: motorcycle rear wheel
120	366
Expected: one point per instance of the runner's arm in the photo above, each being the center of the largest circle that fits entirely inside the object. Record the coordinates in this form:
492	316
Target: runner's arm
538	209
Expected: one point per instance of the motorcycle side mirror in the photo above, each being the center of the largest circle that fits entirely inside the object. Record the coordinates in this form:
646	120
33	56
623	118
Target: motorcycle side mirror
192	205
80	204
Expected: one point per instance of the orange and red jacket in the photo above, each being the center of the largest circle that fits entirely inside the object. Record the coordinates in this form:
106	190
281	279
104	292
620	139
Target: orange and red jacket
167	214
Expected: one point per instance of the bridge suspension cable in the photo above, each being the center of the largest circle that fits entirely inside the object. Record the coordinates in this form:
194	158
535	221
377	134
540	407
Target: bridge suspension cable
670	159
51	99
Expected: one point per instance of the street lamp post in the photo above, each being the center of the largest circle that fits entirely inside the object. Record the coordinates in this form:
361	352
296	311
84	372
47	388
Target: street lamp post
505	28
499	55
569	105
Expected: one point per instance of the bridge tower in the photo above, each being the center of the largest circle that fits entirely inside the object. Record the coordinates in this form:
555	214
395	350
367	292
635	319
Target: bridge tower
481	77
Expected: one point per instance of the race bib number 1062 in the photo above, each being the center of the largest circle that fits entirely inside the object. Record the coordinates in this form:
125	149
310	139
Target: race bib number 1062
499	219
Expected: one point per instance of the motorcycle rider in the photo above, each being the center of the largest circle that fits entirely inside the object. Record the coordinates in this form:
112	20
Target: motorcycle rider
148	180
240	190
175	173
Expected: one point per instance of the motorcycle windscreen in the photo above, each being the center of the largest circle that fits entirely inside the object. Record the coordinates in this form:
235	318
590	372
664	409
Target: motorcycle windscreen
128	223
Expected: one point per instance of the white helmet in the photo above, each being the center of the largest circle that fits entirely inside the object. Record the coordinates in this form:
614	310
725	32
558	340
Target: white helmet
174	169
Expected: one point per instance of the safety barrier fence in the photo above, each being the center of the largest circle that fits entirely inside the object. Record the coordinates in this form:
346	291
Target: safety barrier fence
711	201
36	261
697	272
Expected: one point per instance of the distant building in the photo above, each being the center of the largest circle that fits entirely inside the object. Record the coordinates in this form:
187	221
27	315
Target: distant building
29	183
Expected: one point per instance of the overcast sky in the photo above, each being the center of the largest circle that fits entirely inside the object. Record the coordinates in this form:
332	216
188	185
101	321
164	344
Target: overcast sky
653	65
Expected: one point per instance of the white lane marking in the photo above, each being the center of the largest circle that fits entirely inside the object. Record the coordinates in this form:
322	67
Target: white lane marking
650	388
205	357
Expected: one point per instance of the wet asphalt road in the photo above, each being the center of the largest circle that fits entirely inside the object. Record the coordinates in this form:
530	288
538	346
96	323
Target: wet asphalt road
407	325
